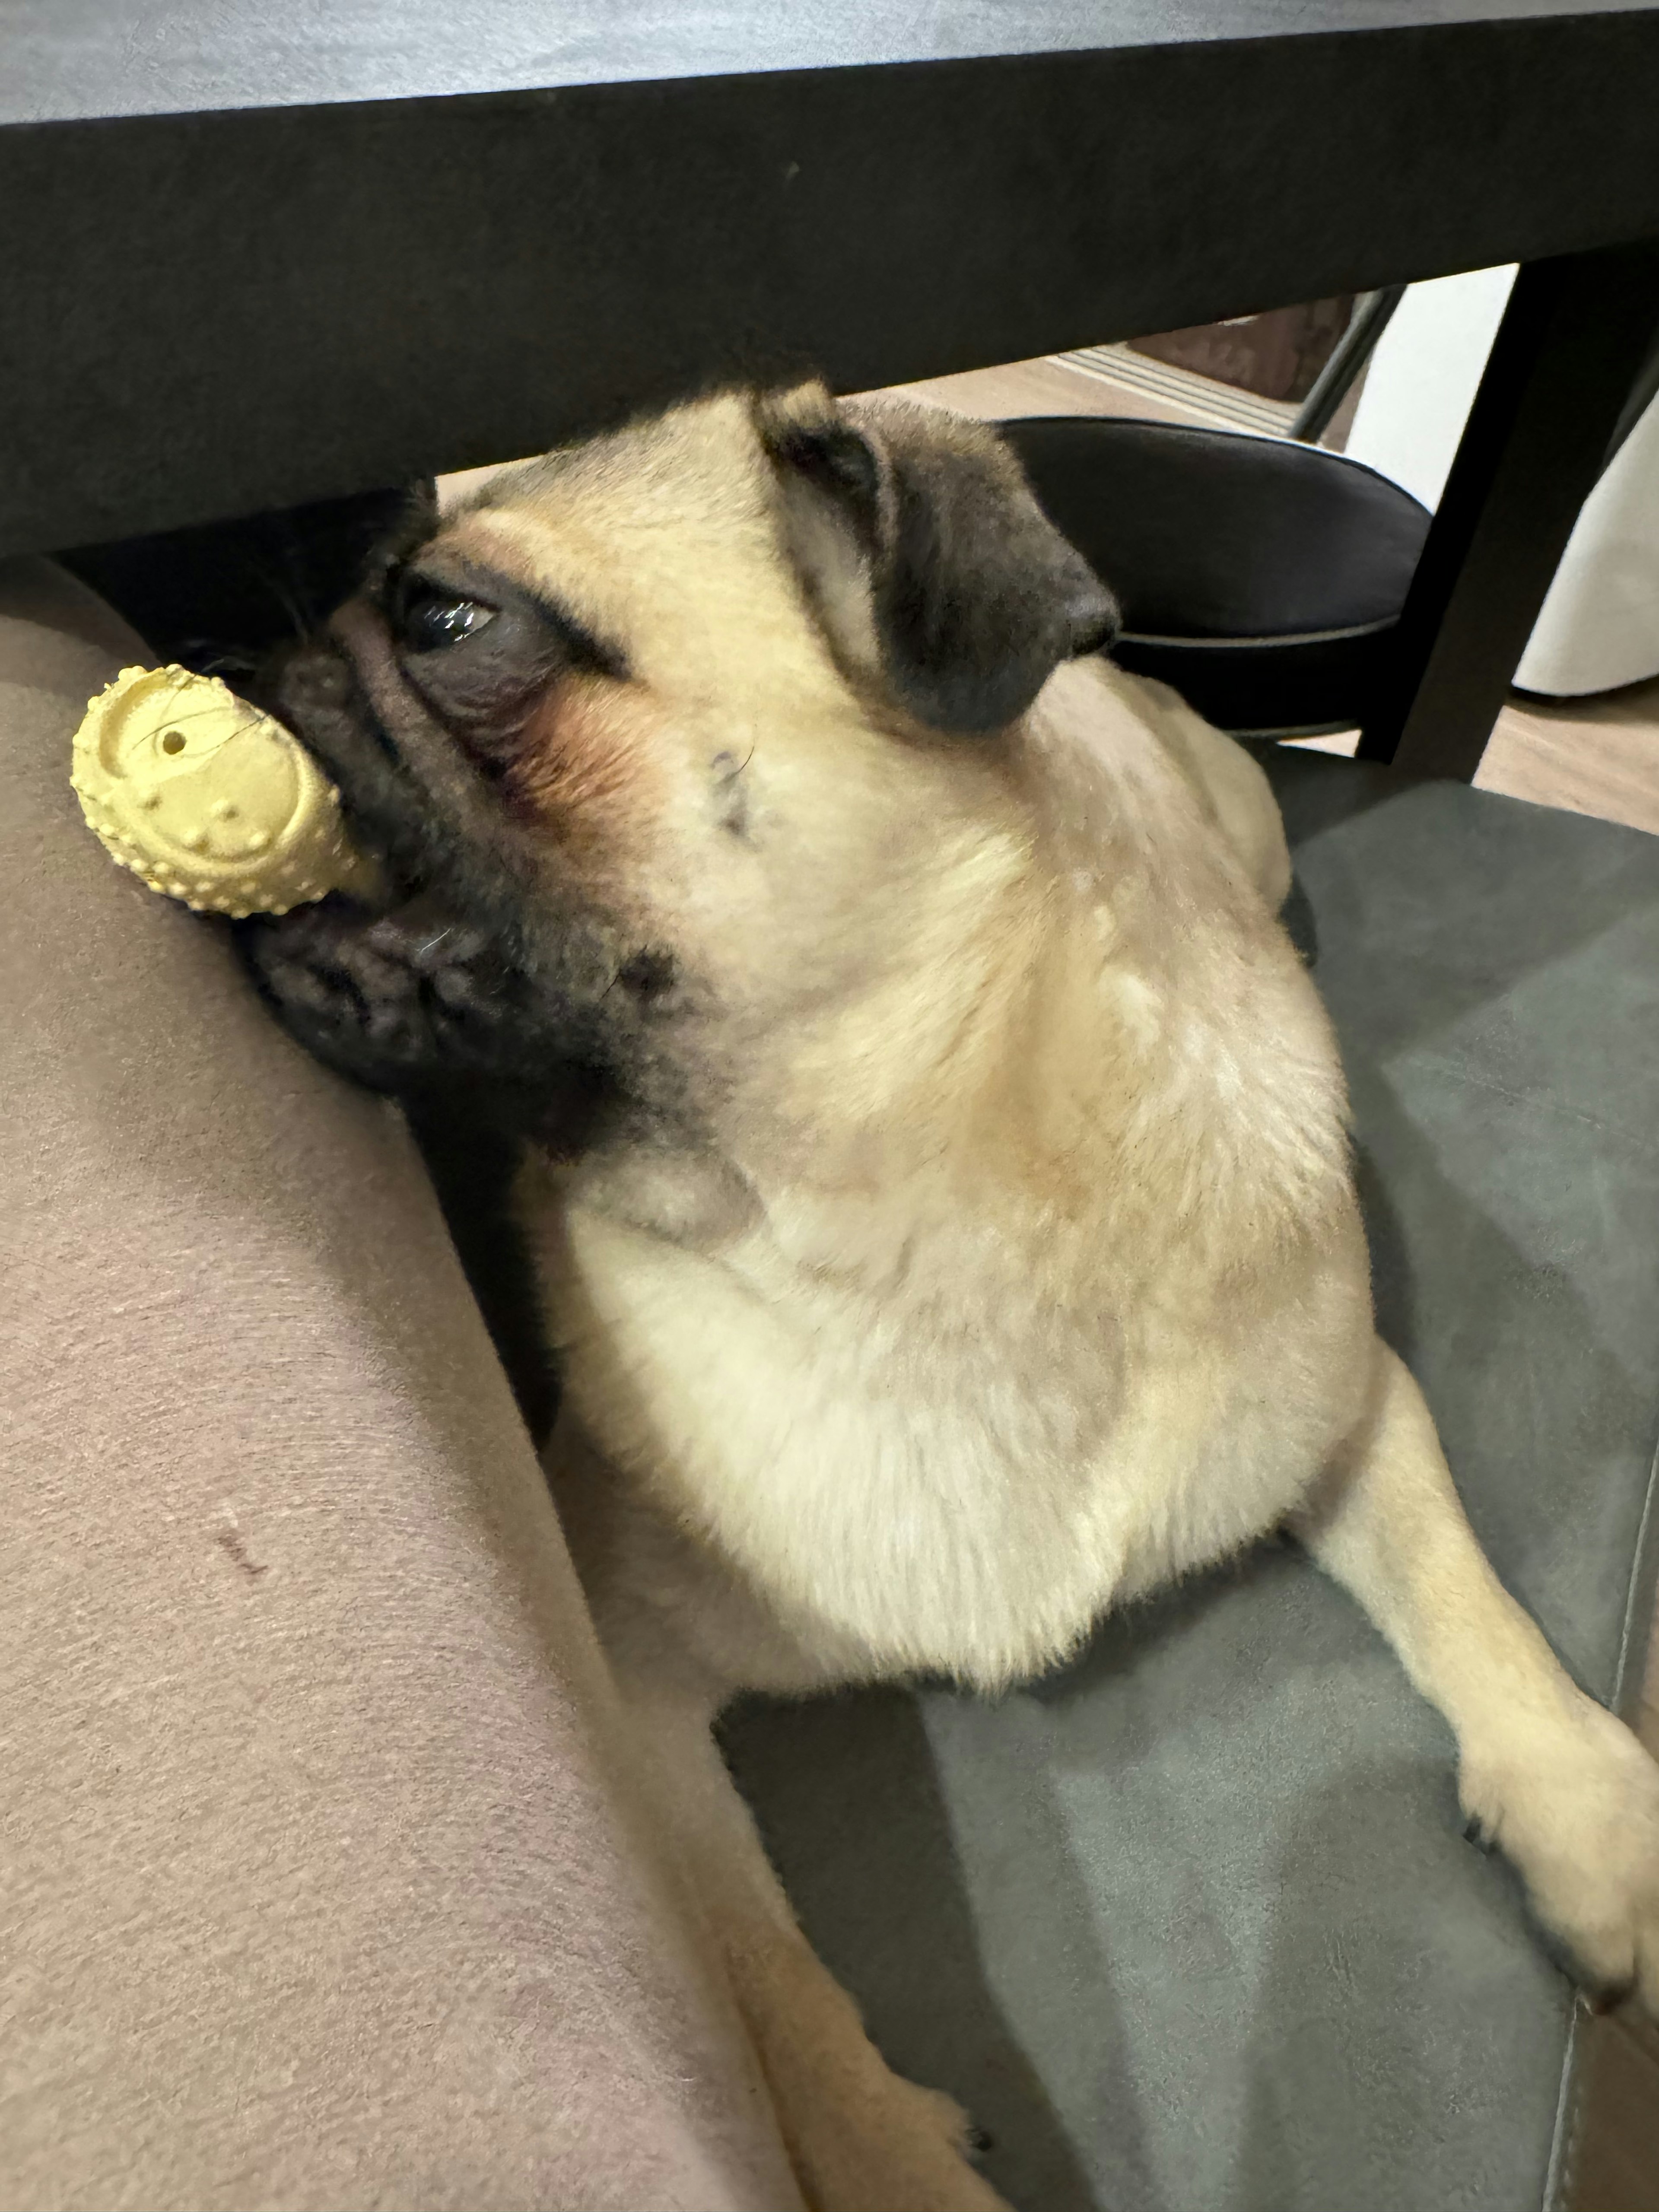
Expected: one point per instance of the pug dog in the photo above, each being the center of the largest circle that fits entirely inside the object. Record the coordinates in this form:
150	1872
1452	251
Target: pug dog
941	1179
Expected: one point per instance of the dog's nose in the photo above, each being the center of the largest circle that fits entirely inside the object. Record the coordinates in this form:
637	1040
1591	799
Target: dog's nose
1095	617
309	677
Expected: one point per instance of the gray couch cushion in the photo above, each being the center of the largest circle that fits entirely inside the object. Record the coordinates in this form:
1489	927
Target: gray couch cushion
1192	1926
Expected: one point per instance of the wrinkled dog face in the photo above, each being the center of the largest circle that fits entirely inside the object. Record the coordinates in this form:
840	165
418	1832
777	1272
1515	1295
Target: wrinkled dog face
662	738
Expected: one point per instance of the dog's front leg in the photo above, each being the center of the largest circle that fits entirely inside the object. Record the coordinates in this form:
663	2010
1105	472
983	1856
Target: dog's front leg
860	2139
1545	1771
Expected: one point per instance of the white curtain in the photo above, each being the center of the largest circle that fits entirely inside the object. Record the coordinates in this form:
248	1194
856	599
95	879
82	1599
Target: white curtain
1599	626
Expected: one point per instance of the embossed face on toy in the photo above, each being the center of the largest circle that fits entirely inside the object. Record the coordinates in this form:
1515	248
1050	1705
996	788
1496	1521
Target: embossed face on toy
679	726
158	748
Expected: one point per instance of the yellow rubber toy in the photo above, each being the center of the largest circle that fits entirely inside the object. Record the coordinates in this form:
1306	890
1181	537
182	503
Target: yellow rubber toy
208	800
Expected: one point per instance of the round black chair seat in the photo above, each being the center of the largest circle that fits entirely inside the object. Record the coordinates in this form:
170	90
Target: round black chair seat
1259	577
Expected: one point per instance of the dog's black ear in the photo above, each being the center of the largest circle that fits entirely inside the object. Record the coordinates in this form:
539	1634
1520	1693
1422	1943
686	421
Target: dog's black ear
927	558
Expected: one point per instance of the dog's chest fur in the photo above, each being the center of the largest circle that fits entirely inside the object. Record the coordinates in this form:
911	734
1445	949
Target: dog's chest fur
1079	1303
930	1440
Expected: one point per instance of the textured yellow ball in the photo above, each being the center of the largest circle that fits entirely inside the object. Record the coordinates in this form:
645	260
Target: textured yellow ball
208	800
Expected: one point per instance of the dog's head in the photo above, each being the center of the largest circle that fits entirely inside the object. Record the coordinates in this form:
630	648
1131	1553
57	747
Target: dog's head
693	728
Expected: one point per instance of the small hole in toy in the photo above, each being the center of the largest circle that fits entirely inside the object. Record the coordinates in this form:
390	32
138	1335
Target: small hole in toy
172	741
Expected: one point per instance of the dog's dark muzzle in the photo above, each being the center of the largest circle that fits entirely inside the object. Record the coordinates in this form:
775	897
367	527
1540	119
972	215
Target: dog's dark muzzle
412	993
465	984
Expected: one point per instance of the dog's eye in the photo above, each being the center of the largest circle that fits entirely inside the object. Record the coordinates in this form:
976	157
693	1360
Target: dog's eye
425	618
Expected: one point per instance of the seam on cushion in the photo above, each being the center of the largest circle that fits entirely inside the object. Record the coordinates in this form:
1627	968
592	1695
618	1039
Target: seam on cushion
1540	1102
1568	2135
1256	640
1639	1601
1569	2117
1279	733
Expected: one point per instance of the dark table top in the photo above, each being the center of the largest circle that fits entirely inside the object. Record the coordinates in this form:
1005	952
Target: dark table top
255	254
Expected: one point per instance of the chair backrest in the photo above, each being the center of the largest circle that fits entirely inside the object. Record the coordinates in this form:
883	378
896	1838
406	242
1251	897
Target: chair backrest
1259	576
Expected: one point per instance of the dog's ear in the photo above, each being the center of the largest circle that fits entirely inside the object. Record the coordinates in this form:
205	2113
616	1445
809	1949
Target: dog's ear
926	557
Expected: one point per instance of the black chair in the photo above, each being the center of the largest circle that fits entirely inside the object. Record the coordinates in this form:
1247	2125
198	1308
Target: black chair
1259	577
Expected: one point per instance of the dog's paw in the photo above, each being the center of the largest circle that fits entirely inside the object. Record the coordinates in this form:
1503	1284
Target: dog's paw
860	2137
906	2146
1578	1815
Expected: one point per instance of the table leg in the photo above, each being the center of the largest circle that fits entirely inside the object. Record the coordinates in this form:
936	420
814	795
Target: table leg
1571	343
